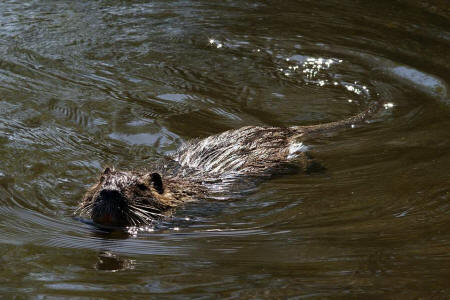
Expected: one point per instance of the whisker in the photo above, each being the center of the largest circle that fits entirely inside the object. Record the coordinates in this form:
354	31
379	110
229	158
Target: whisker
84	209
142	215
146	218
133	220
144	208
140	220
145	211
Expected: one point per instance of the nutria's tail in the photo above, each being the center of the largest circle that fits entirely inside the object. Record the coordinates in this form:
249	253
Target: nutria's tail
373	108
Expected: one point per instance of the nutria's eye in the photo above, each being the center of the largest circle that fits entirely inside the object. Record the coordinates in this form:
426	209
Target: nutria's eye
142	186
157	182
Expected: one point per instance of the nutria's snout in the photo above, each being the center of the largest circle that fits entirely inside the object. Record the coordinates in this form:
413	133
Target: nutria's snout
124	199
109	208
110	195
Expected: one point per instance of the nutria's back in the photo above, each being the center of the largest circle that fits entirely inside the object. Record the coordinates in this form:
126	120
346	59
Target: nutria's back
246	151
257	151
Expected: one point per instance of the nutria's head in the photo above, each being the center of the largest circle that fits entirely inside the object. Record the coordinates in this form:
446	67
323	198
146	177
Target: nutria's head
125	199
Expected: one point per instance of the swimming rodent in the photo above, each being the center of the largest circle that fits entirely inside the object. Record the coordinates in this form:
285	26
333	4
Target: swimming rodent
124	198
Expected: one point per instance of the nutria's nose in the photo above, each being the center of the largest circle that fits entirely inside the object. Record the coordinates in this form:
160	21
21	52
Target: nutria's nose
110	194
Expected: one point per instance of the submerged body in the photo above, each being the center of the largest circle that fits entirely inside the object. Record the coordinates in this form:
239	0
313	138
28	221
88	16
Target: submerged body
132	198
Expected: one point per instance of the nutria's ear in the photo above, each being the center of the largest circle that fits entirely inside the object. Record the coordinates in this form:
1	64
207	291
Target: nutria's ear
157	182
107	171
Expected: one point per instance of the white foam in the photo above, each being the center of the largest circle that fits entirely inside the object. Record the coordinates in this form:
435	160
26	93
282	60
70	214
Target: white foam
295	149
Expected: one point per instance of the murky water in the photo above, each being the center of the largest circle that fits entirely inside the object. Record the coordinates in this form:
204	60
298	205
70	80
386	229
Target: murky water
85	84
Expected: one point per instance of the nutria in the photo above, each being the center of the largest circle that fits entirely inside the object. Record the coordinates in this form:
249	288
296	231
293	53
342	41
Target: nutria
122	198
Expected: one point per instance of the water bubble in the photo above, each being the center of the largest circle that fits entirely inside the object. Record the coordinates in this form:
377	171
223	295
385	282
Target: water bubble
388	105
350	88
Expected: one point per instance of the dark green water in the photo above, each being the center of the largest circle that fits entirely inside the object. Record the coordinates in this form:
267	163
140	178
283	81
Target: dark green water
85	84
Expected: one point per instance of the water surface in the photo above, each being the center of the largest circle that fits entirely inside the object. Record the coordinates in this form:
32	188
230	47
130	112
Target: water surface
89	84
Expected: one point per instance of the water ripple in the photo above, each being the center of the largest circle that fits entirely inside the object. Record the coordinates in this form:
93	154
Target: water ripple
121	83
